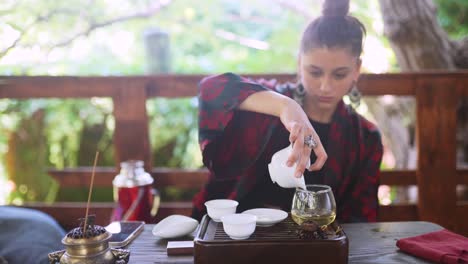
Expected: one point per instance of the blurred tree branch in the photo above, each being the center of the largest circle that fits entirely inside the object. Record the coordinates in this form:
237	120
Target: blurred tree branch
12	45
10	9
244	41
24	31
153	9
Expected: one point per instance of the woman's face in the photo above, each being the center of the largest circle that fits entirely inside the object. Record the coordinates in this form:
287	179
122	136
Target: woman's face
327	74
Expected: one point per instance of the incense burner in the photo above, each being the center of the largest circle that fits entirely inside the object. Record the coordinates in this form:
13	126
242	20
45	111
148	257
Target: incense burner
89	245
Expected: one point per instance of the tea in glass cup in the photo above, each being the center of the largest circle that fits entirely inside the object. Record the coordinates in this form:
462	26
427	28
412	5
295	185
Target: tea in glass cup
314	204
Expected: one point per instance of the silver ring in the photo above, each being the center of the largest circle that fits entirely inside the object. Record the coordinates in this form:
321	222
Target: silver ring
310	142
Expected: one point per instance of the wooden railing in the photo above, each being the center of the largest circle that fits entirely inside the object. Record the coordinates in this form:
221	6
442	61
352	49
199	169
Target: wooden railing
436	176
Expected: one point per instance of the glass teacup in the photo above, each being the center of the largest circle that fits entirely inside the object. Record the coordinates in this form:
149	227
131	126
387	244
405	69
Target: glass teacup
314	204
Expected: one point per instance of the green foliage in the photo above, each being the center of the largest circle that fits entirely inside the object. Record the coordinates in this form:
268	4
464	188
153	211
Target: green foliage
173	132
212	36
216	36
100	194
39	134
25	161
453	16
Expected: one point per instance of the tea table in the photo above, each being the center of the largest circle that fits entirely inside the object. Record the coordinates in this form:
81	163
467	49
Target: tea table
368	243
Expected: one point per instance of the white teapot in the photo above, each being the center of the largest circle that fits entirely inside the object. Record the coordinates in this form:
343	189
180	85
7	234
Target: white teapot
281	173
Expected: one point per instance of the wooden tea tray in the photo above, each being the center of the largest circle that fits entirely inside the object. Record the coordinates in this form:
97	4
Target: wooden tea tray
279	243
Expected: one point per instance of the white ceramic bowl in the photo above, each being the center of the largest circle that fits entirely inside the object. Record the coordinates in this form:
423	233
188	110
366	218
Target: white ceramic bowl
267	216
220	207
239	226
175	226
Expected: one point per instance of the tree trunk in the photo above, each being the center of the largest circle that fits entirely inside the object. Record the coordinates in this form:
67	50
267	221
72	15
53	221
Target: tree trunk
416	38
420	43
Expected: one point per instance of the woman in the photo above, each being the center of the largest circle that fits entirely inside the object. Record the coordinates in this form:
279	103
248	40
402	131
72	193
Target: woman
243	123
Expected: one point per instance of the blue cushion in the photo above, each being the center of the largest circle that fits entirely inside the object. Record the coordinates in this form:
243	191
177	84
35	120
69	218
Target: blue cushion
27	235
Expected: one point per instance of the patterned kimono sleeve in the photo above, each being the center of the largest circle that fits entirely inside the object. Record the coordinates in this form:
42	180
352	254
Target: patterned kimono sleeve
219	96
365	201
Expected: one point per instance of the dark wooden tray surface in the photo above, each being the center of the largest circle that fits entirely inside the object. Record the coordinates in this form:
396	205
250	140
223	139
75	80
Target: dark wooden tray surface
279	243
212	232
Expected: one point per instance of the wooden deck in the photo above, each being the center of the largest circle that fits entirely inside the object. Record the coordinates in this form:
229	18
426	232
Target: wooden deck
436	94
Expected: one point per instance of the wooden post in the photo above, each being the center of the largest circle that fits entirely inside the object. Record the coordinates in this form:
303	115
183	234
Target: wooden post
436	144
157	46
131	136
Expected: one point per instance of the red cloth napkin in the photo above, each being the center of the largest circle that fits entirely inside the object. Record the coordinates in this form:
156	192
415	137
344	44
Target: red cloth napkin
441	247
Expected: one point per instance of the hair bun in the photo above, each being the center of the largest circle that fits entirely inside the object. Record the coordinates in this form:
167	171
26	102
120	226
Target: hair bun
336	8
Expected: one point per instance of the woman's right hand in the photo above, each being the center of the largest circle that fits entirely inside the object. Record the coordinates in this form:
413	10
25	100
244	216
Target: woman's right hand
297	123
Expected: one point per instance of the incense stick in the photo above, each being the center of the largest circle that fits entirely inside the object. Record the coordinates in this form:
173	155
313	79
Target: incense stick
89	193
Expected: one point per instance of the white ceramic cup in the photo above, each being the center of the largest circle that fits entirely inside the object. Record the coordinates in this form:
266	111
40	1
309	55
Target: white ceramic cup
283	175
220	207
239	226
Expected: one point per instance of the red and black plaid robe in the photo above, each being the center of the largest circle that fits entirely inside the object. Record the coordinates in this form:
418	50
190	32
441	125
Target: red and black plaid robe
238	145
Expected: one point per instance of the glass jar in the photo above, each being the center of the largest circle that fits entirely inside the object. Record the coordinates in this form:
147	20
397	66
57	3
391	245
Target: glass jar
315	204
136	198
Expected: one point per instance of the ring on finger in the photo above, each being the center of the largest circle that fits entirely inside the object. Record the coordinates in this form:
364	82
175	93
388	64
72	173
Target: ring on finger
310	142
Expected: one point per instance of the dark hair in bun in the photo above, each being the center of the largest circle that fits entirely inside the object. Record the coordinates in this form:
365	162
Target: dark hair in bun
334	29
335	8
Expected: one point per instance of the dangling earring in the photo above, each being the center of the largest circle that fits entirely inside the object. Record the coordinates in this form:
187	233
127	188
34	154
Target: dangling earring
299	94
354	95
